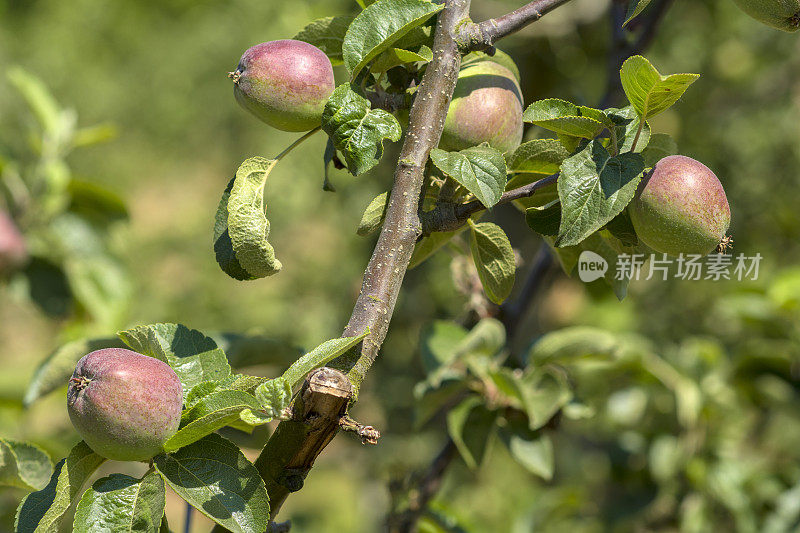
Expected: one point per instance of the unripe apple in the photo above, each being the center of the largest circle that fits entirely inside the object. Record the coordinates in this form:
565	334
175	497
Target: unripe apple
486	107
680	207
124	404
780	14
13	251
284	83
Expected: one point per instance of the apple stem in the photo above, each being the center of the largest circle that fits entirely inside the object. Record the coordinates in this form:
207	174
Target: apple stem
638	132
297	142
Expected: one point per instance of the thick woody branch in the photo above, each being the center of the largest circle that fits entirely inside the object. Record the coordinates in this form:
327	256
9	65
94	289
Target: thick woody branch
295	444
483	35
290	453
402	227
450	217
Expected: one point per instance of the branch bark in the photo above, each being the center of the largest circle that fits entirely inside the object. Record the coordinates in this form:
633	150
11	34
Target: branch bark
290	453
292	443
402	226
483	35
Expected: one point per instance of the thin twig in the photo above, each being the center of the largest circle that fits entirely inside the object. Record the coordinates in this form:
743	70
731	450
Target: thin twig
515	310
450	217
483	35
622	48
424	491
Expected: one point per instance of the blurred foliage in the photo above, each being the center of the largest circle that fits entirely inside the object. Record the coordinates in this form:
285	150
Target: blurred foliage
65	221
652	456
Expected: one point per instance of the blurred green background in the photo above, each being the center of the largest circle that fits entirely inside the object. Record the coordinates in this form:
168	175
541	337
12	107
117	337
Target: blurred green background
157	71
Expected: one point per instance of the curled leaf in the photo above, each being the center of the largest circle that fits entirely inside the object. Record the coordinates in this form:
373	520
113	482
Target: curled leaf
242	229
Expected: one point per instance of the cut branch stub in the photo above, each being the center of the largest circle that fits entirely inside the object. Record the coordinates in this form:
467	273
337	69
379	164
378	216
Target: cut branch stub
320	404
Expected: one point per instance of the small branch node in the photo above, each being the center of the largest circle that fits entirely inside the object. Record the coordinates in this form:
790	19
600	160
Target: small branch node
368	434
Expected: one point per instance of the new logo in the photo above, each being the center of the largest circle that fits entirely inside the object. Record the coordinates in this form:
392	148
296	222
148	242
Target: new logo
591	266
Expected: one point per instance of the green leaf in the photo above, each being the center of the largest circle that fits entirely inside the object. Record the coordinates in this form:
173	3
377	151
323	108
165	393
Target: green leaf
566	118
621	227
223	247
660	146
394	57
533	451
192	355
544	393
122	503
54	371
544	220
214	476
319	356
23	465
470	425
38	98
234	382
210	413
373	216
487	337
243	382
611	247
92	135
443	342
95	202
327	34
507	387
417	37
494	259
101	285
430	398
274	396
570	142
200	391
481	169
635	7
357	130
379	26
249	349
248	226
648	91
429	245
594	187
627	122
607	246
438	342
43	511
539	156
48	288
573	343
